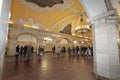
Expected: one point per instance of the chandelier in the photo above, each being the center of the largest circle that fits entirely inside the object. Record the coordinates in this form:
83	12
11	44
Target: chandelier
83	30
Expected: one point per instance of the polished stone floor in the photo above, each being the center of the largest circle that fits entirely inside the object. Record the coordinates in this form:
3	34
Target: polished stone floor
48	67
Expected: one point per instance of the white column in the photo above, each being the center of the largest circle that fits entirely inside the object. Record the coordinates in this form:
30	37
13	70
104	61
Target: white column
106	55
4	17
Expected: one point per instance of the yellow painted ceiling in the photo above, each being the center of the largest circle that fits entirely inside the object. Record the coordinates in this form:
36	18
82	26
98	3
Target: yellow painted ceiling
51	19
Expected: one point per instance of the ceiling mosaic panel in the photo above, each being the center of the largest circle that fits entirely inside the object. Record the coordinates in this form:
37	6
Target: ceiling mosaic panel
44	5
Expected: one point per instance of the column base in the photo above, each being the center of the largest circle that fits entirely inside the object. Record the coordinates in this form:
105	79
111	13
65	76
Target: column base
98	77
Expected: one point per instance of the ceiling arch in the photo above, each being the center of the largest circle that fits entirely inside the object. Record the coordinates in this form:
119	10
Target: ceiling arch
94	7
97	7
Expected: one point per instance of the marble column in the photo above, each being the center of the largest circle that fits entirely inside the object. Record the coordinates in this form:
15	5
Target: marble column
4	17
106	54
11	46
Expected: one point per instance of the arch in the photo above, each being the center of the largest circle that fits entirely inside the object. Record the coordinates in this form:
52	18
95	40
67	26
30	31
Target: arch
65	42
28	34
27	39
96	8
66	17
61	23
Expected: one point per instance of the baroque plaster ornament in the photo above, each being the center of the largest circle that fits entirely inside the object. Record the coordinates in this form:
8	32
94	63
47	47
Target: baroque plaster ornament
29	21
65	24
61	27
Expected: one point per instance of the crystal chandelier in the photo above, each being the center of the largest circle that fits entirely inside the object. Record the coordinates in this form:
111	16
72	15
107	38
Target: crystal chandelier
83	28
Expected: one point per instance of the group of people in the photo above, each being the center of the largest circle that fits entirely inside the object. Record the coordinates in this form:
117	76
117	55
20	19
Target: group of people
40	51
73	50
80	50
24	51
58	50
27	50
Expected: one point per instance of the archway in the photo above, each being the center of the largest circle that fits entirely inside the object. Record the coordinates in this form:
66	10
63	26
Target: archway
27	39
65	43
48	43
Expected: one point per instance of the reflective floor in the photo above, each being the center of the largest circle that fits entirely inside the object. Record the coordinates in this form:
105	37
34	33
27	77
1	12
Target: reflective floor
48	67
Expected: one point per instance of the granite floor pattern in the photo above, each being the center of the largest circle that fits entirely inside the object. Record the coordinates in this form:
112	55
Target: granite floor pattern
48	67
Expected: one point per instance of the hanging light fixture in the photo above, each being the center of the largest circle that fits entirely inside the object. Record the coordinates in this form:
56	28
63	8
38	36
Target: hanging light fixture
83	26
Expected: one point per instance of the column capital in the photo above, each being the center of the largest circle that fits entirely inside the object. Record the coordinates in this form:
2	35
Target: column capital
113	19
109	20
109	17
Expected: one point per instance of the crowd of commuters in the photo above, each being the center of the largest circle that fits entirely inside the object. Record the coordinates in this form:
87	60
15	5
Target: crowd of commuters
75	51
24	51
27	50
72	50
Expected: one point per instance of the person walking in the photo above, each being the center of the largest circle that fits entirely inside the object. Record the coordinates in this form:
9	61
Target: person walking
17	53
29	52
88	54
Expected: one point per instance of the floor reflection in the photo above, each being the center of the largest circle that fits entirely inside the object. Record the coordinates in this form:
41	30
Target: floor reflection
48	67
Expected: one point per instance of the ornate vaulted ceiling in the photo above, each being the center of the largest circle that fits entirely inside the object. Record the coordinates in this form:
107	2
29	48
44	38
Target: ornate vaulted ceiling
51	15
